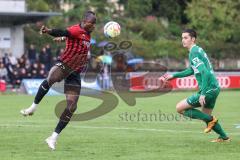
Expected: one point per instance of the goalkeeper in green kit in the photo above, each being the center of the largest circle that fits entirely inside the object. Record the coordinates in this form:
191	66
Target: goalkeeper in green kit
208	85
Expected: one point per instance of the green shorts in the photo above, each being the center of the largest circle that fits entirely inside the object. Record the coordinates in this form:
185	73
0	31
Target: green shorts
210	99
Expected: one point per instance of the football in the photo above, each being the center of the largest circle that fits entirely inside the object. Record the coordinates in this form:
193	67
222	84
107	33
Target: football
112	29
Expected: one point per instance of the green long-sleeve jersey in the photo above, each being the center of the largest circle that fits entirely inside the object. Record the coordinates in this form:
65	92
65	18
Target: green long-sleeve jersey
201	67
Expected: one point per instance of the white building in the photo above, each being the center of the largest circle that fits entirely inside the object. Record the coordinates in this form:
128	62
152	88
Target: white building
13	16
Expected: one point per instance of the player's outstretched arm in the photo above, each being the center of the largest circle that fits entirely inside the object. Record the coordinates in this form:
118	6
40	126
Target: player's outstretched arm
185	73
54	32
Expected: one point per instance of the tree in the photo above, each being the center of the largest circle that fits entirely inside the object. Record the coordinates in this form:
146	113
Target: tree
136	8
214	19
169	9
216	22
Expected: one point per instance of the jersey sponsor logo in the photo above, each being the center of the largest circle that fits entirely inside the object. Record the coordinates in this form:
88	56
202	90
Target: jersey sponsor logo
224	81
196	62
195	69
188	82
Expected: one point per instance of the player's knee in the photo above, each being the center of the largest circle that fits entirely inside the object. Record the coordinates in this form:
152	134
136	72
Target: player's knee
52	80
73	108
179	108
72	105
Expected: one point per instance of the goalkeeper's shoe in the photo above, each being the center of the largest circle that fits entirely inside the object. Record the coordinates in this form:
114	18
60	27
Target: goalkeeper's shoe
219	140
210	125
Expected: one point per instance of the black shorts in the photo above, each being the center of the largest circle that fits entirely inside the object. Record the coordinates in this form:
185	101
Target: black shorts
72	84
72	81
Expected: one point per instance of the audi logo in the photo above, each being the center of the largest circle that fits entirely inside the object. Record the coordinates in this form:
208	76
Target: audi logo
189	82
224	81
153	82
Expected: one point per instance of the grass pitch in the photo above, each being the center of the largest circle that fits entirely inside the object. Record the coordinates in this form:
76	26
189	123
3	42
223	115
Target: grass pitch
150	130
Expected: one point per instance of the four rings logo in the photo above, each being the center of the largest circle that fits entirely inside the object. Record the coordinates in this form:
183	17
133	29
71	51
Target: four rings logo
153	82
189	82
224	81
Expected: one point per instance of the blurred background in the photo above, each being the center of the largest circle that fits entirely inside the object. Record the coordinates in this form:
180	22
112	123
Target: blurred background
151	32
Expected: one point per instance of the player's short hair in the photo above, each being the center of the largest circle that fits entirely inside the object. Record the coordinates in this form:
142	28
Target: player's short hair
191	32
89	14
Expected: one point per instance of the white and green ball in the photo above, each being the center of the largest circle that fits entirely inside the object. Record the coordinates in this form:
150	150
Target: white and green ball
112	29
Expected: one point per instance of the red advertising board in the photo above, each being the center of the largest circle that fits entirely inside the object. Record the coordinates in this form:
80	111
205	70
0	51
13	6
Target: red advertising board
2	86
140	82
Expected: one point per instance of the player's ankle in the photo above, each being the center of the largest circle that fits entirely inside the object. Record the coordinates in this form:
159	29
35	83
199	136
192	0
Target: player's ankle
54	135
33	107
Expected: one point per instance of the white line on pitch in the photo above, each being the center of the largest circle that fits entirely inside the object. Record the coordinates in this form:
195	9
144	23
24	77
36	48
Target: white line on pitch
110	127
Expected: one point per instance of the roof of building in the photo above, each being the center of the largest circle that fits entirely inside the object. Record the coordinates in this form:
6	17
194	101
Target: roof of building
25	17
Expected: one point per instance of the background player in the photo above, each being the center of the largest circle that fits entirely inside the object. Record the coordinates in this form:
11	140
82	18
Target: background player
209	88
71	63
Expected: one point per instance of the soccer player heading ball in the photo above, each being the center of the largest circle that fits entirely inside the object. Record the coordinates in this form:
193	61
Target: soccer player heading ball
209	88
71	63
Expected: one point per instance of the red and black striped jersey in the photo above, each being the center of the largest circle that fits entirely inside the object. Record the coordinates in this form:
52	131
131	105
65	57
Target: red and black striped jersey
75	54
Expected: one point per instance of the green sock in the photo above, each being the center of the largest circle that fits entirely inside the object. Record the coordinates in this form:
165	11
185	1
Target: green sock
196	114
218	129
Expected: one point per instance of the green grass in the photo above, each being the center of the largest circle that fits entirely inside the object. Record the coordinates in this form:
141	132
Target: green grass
112	136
